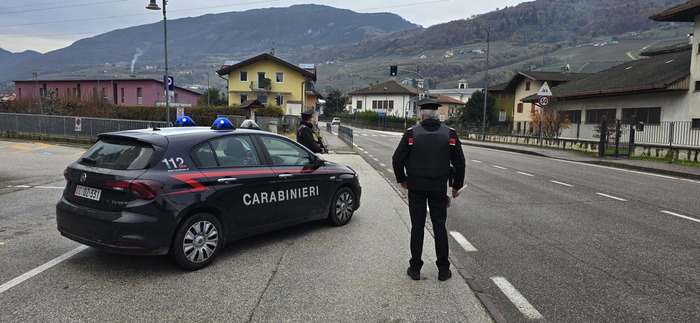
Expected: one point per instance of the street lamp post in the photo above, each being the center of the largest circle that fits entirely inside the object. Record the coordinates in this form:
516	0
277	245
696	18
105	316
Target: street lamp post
486	86
154	6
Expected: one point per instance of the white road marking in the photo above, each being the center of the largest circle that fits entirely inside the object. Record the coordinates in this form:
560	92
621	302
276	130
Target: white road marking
526	174
382	164
40	269
390	170
375	159
681	216
476	161
499	167
612	197
560	183
51	187
517	299
462	241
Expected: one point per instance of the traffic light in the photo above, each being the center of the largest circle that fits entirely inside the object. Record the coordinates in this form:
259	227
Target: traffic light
393	70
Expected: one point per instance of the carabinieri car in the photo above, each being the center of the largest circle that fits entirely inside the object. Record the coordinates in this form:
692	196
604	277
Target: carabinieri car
187	191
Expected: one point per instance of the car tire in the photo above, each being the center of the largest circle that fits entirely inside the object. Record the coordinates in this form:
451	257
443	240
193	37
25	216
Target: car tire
342	207
197	241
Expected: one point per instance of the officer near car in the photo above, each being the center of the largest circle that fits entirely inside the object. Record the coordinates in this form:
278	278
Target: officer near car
305	133
428	157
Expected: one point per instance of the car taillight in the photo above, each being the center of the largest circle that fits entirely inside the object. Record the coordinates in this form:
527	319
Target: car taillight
65	174
143	189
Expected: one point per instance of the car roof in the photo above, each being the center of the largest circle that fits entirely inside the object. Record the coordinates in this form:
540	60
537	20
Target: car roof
163	136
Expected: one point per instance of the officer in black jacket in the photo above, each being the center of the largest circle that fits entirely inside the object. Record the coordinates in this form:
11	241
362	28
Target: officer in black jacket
305	133
421	164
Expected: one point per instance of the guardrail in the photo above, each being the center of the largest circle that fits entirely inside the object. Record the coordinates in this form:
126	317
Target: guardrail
345	134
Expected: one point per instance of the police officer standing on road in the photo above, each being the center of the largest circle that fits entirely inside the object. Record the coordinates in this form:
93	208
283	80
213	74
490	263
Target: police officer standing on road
305	133
426	152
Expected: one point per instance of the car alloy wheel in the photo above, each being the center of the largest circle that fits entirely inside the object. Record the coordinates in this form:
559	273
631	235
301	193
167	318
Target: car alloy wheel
197	242
343	207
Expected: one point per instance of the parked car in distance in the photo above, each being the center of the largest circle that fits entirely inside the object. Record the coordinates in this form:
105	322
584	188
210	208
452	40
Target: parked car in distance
335	121
187	191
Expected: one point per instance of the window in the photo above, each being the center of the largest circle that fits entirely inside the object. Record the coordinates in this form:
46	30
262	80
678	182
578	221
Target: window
574	116
646	115
527	86
520	108
262	99
279	99
279	77
122	95
533	108
139	95
243	76
285	152
359	105
391	104
77	95
595	116
503	96
502	115
244	97
695	123
261	80
236	151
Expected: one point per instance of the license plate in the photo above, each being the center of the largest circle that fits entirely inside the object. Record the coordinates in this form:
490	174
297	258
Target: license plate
88	192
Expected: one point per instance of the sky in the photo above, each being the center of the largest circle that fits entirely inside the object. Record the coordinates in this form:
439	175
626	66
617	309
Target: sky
47	25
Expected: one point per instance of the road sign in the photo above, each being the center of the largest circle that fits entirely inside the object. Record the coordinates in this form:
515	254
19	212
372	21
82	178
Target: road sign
544	90
170	81
543	101
78	124
180	112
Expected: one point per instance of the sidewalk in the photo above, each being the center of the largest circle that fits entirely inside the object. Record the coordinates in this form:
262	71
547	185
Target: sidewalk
655	167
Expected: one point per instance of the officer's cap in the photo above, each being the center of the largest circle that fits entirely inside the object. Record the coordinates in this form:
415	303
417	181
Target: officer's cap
308	113
427	103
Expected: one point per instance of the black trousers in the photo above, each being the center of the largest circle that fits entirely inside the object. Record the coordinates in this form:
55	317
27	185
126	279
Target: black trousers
438	216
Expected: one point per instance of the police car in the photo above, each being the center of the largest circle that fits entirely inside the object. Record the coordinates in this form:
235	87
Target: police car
187	191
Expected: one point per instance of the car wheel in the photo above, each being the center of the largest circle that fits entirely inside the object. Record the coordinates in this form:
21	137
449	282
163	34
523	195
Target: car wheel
197	241
342	207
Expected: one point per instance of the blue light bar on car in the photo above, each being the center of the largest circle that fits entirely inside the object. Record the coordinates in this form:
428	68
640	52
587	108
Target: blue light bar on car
222	123
185	121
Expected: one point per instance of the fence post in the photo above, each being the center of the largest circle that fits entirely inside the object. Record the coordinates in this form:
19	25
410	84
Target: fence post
603	136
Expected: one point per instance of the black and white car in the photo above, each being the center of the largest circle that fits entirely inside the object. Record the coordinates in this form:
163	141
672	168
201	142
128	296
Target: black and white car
187	191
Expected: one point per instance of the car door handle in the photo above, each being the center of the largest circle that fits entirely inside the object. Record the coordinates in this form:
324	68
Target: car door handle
286	175
227	179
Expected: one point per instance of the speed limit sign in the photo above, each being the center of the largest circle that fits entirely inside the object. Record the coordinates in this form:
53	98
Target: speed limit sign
543	101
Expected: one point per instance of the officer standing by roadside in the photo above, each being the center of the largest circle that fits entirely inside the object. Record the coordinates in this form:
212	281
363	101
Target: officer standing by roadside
421	163
305	133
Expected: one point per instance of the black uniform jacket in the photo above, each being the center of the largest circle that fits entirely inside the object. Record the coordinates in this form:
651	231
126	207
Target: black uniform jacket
305	136
415	182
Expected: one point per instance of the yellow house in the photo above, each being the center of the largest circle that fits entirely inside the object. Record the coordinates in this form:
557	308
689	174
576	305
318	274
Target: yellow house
272	81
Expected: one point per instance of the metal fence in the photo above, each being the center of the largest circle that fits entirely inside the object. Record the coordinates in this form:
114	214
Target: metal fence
69	126
681	133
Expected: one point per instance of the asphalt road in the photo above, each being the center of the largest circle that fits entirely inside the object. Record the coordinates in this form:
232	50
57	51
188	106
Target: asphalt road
307	273
557	241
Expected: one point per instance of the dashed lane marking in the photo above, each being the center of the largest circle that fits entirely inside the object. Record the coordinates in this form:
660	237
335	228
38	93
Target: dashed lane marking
526	174
561	183
462	241
476	161
681	216
499	167
382	164
612	197
517	299
38	270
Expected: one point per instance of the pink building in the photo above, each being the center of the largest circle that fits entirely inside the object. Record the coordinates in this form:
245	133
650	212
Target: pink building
123	91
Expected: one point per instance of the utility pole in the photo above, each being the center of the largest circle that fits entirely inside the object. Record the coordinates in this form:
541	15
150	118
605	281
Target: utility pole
486	86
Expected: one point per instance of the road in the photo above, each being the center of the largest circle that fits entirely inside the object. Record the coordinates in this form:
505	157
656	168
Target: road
558	241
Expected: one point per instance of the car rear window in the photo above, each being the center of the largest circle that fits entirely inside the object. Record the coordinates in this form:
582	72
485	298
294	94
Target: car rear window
118	154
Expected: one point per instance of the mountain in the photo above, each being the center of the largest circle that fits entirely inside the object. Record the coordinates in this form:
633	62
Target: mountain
211	39
352	49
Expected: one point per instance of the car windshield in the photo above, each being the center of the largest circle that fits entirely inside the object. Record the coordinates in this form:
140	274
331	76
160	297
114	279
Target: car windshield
118	154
